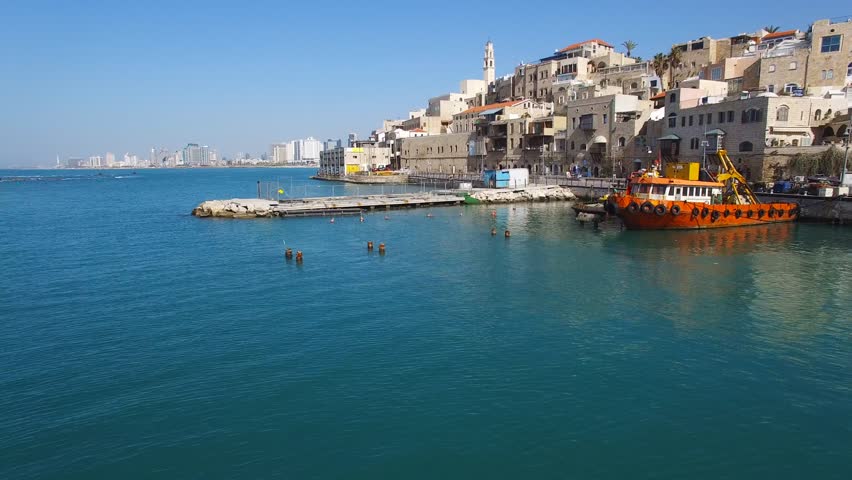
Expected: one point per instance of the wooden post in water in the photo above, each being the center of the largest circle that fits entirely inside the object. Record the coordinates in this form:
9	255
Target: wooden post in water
258	189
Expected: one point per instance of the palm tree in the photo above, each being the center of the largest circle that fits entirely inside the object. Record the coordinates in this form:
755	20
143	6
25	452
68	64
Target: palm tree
630	45
660	63
674	59
771	28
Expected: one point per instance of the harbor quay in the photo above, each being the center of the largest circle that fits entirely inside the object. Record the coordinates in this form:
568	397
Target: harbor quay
361	204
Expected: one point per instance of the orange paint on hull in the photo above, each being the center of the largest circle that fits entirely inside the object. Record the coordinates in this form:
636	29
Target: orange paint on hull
636	214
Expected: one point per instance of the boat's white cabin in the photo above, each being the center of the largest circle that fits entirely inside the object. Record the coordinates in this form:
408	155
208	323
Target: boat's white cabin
674	192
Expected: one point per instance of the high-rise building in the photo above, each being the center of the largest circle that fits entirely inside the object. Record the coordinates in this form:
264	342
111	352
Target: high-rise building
488	64
310	150
95	161
329	144
353	137
282	152
193	154
109	159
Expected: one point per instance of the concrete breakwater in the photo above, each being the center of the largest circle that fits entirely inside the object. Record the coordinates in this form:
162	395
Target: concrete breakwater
319	206
354	205
527	194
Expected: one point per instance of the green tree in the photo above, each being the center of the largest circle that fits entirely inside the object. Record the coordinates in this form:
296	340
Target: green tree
771	28
674	61
630	45
660	63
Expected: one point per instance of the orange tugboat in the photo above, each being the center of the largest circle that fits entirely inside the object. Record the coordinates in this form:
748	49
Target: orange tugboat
652	202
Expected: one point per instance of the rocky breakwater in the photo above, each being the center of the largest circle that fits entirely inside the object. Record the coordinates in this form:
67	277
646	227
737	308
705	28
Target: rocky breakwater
527	194
236	208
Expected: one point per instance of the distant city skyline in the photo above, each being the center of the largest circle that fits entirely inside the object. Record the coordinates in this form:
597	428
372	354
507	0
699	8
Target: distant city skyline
74	89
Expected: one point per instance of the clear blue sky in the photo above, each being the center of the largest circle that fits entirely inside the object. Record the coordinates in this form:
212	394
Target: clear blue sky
81	78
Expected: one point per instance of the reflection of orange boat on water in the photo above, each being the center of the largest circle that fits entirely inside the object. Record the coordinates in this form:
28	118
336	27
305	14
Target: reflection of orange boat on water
652	202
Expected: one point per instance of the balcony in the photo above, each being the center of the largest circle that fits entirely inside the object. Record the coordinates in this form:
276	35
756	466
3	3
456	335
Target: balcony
565	78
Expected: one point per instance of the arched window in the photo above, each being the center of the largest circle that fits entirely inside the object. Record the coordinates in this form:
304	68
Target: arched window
746	147
828	113
782	113
817	114
601	65
635	85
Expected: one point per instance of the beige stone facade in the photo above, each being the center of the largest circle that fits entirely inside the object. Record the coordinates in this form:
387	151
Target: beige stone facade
436	153
466	122
603	134
429	124
749	128
830	62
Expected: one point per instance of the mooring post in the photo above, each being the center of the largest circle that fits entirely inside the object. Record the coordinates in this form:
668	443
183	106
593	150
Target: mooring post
258	189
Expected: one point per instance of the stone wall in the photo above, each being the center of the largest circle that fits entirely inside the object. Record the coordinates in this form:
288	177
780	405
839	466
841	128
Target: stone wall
435	153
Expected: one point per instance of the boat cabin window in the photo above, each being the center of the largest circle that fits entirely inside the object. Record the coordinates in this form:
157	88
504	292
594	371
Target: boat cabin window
677	191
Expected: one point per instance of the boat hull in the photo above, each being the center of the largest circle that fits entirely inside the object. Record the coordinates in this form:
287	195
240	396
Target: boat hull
640	214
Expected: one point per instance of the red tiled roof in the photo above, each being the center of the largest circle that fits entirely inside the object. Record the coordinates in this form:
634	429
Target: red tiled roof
493	105
785	33
577	45
418	130
659	96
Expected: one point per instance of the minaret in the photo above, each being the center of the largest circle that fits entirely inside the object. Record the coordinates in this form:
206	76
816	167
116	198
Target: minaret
488	64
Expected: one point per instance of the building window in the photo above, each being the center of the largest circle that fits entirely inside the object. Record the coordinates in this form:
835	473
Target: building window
709	118
672	98
770	88
746	147
572	145
830	44
721	117
604	118
701	119
730	116
849	71
790	87
682	121
690	120
511	143
716	73
782	113
672	120
622	141
582	146
818	114
772	68
793	65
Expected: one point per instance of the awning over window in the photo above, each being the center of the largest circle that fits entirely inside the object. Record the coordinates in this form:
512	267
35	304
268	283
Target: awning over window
716	131
599	139
670	136
492	111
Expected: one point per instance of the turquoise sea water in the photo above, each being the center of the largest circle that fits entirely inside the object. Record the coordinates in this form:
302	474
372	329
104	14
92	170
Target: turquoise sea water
137	341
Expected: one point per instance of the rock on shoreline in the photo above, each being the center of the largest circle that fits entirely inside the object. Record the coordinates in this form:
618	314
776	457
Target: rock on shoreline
528	194
235	208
